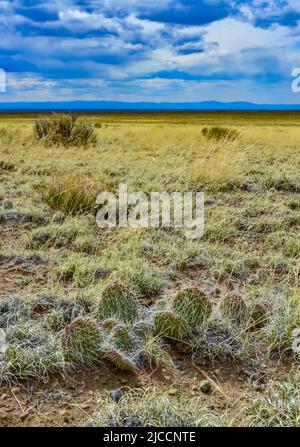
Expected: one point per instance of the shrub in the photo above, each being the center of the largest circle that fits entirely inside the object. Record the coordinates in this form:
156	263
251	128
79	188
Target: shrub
64	130
170	325
118	301
192	305
220	133
81	341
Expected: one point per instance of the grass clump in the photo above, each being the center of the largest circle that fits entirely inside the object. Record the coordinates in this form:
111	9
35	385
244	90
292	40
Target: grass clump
149	408
285	319
64	130
31	353
220	133
278	407
82	341
154	351
73	194
170	325
118	301
193	305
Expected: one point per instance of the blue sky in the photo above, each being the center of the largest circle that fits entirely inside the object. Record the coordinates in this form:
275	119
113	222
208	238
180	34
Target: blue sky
150	50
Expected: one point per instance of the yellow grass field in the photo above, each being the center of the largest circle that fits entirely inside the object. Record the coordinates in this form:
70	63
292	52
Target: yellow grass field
84	310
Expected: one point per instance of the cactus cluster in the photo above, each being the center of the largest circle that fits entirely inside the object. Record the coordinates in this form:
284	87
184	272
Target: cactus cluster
117	301
193	305
82	341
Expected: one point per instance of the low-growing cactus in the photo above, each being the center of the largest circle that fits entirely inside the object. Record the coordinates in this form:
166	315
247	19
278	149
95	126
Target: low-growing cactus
119	359
171	325
81	341
121	337
234	308
193	305
117	301
258	315
109	324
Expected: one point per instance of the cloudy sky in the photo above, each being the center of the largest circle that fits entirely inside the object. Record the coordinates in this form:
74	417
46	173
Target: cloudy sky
150	50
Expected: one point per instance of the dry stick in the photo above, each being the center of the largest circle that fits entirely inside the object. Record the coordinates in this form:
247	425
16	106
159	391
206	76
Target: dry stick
18	402
218	388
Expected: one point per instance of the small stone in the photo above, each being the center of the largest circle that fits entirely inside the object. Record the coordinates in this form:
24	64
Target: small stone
195	388
168	378
116	395
173	392
205	386
259	387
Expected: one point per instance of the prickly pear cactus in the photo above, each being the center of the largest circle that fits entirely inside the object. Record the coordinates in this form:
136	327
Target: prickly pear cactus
109	324
171	325
81	341
121	338
119	359
193	305
117	301
258	315
234	308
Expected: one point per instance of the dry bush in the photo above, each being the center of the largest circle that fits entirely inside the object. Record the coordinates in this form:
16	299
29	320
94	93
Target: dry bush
64	130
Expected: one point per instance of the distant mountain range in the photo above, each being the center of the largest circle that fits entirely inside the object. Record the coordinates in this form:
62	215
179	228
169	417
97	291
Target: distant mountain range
140	106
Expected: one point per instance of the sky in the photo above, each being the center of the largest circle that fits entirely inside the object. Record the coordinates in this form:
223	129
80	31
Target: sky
150	50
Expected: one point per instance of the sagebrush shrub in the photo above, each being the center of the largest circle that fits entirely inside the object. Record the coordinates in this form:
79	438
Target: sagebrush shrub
64	130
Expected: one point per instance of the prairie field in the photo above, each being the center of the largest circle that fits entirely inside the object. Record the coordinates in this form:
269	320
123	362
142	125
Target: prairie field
124	327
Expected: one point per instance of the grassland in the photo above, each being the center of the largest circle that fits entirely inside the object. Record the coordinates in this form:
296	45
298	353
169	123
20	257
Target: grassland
84	311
